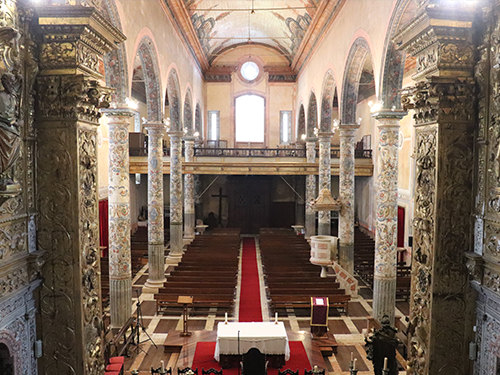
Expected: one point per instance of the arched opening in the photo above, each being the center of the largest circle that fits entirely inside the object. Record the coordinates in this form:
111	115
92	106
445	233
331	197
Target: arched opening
301	124
249	119
312	116
188	114
174	101
198	124
6	360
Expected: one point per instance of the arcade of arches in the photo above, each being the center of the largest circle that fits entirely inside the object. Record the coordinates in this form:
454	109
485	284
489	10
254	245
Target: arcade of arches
118	120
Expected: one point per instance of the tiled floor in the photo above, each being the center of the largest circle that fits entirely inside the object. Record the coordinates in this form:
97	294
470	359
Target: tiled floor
347	331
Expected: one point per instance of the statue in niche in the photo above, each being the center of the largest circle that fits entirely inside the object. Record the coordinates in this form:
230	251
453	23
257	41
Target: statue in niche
10	134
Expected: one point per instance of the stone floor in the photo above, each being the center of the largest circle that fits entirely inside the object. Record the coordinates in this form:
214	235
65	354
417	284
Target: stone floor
347	331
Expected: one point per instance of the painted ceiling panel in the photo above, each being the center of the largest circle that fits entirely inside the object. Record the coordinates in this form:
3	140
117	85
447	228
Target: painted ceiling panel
277	23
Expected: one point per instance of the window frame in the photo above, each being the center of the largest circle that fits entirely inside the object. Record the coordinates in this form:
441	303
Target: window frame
244	144
210	128
289	127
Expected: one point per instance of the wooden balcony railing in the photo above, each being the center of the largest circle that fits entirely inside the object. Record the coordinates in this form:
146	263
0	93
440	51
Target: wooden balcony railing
252	152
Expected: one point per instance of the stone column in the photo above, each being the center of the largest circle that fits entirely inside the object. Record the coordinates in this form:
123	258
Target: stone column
325	179
156	235
310	189
189	216
346	194
176	243
384	281
120	273
67	117
444	111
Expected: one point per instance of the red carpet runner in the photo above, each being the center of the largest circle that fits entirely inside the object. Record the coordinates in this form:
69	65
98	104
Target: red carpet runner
250	308
204	358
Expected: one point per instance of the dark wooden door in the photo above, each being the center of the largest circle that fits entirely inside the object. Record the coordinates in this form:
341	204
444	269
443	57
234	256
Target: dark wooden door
249	203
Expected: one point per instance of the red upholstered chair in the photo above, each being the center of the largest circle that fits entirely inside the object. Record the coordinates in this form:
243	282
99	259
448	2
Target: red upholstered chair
114	360
114	367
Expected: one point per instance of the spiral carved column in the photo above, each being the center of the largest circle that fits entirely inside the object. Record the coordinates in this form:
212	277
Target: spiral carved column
156	237
310	189
346	192
325	180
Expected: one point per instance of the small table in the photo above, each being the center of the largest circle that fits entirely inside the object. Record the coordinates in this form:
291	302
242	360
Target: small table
185	301
235	339
201	228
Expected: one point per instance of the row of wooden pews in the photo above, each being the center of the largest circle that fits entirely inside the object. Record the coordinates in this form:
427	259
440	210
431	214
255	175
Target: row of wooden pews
364	261
291	279
208	272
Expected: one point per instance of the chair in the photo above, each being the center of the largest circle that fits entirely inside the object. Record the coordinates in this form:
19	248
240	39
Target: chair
288	372
318	372
158	371
254	363
187	371
211	371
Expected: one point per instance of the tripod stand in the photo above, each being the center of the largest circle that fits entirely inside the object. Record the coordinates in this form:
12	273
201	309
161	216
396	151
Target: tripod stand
139	326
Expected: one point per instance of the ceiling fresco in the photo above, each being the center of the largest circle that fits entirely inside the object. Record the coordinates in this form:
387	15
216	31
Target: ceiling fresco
280	24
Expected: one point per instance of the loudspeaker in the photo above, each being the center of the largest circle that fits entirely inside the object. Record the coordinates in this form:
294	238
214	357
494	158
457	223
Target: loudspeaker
38	348
410	241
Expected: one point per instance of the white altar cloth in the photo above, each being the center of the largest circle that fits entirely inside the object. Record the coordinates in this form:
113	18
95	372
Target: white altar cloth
268	337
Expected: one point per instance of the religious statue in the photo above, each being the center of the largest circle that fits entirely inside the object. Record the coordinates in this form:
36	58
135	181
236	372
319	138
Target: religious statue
381	344
10	135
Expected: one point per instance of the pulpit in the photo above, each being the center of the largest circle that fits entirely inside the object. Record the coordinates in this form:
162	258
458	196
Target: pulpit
319	316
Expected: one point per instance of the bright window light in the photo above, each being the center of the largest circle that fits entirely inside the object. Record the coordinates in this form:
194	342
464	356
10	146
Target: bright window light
250	70
249	118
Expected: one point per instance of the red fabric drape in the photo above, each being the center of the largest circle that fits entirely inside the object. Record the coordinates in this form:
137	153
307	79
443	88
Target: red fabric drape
401	226
103	224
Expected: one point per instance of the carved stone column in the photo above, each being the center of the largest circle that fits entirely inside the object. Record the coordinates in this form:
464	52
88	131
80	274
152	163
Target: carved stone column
310	189
384	280
325	179
156	235
175	197
189	217
120	273
444	113
74	40
346	195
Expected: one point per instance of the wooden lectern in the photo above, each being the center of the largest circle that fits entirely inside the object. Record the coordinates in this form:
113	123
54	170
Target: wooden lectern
185	301
319	316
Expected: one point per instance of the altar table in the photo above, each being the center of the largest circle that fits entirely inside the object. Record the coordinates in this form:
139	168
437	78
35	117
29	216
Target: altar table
270	338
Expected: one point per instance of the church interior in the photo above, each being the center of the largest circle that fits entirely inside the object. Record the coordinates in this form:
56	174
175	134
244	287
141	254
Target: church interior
249	186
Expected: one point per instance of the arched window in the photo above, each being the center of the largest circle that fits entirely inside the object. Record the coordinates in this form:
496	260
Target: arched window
250	118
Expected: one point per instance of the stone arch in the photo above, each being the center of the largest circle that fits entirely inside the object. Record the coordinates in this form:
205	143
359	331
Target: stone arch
327	101
198	121
115	62
149	62
312	115
301	122
352	74
393	65
188	113
9	340
174	101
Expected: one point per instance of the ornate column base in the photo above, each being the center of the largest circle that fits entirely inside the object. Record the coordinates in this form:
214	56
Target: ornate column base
346	257
176	243
189	223
156	257
120	292
384	304
310	225
324	229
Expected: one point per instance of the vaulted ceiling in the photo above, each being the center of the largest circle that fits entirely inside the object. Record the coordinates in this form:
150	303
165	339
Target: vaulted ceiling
290	27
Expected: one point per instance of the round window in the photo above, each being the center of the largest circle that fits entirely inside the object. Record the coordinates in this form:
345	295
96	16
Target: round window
249	70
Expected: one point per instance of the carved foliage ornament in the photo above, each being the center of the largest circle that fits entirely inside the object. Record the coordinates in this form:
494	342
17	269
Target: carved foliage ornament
437	100
72	97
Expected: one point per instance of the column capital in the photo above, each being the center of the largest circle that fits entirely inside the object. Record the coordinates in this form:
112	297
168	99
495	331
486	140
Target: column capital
175	134
348	129
118	115
189	138
74	40
325	136
382	114
311	140
152	126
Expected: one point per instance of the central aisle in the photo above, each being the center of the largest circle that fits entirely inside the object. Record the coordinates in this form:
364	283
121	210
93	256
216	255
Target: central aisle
250	306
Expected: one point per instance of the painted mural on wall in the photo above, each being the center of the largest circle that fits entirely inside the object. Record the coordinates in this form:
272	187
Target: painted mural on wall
286	24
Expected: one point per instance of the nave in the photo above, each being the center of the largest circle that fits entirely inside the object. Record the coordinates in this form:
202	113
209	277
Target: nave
254	298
